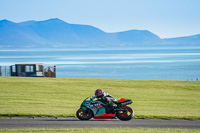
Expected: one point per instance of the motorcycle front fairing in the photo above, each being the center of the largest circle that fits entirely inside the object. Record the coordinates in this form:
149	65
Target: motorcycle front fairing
97	108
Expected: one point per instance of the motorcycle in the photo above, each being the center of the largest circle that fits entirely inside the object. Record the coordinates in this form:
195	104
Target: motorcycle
98	110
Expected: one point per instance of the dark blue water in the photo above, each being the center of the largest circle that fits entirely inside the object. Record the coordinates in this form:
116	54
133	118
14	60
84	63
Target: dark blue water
146	63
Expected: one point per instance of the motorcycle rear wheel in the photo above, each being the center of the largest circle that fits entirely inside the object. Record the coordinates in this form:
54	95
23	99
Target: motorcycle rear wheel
83	114
125	115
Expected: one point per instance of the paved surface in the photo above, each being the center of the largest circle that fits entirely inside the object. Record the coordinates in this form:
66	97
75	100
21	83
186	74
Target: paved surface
114	123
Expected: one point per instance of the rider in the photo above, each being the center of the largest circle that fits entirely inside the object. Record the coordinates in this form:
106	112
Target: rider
105	98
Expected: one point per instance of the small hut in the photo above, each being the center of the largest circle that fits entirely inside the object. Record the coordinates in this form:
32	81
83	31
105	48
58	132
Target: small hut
33	70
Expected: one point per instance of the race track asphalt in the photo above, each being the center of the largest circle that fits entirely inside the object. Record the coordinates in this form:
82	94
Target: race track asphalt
114	123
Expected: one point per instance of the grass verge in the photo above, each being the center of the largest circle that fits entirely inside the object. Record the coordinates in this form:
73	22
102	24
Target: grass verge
104	130
61	97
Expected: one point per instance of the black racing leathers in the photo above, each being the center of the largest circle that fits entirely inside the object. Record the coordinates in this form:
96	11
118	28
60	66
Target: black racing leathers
107	99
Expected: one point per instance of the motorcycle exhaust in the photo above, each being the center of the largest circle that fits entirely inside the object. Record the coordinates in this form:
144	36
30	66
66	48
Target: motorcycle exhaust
126	103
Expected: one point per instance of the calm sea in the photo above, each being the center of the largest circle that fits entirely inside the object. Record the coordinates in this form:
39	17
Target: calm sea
139	63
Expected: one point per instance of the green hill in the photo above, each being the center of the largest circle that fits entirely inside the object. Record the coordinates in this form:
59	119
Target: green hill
62	97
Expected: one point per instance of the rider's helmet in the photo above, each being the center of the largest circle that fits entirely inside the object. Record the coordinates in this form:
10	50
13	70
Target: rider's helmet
99	92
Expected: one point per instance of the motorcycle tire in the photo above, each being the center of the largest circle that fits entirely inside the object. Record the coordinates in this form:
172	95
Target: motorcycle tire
84	115
124	116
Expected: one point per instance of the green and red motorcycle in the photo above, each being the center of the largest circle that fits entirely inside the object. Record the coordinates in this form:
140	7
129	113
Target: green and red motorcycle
99	110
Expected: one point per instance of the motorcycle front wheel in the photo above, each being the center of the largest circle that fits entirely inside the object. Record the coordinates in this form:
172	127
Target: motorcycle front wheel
125	115
84	114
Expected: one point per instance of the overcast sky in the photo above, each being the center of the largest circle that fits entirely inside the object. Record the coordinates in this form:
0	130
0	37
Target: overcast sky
165	18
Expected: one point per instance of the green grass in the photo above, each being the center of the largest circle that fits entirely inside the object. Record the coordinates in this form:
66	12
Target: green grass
62	97
104	130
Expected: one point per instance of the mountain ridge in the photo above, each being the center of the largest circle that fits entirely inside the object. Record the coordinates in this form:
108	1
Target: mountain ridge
55	33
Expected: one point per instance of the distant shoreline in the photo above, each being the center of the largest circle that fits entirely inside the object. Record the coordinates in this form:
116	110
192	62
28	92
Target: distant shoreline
90	49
